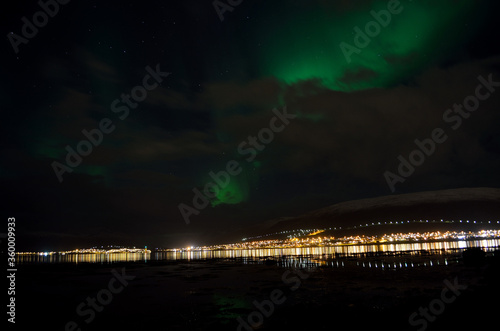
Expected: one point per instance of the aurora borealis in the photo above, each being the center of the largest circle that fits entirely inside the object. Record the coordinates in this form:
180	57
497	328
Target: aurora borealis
304	43
353	118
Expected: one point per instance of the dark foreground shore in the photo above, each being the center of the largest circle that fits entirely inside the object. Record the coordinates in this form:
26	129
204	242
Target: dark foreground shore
229	295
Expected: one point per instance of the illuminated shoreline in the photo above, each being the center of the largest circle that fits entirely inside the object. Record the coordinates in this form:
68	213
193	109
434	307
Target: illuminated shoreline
92	251
310	242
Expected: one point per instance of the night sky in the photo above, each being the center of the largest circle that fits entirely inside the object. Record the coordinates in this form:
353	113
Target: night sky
219	83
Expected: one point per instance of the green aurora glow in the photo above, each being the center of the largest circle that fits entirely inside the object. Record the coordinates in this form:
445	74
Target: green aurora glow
238	188
305	45
301	43
235	192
